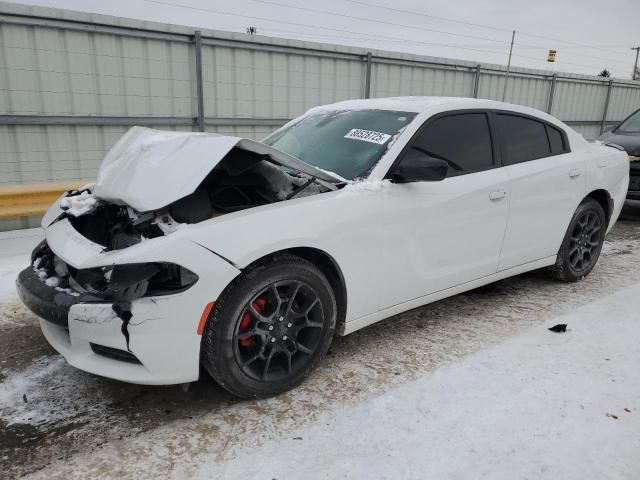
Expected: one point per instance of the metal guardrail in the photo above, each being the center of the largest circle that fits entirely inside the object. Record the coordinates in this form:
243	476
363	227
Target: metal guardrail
32	199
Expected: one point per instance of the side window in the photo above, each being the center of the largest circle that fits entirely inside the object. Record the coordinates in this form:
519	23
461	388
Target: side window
463	141
523	139
555	140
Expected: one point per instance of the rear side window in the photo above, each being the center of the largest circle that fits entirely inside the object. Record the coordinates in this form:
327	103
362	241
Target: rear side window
463	141
523	139
555	140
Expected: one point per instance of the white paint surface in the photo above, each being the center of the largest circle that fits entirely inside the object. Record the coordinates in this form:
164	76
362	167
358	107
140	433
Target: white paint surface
429	240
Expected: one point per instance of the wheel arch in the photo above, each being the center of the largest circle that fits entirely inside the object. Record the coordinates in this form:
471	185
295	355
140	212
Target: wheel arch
604	199
329	268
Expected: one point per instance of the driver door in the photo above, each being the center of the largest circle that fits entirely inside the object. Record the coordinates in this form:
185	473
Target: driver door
448	232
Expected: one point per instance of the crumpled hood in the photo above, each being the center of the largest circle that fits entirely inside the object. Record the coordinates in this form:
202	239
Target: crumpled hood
148	169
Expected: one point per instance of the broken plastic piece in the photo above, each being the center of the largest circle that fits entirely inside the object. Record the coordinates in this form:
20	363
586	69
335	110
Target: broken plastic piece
559	328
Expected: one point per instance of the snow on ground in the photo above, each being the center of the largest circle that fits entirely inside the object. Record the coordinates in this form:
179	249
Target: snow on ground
533	406
14	257
25	384
26	395
542	405
620	246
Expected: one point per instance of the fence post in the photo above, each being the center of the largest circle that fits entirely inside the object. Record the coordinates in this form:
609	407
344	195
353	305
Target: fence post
606	107
367	77
197	43
552	91
476	82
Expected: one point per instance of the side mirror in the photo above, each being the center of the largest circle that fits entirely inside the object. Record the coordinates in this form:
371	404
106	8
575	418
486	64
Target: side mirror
419	167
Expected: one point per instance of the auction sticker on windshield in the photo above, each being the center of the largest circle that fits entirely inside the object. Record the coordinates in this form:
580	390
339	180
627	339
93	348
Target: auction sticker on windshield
368	136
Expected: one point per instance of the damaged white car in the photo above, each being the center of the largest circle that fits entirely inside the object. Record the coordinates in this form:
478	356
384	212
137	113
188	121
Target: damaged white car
246	258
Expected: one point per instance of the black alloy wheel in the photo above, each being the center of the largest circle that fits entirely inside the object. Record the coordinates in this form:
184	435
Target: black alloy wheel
582	243
270	327
278	330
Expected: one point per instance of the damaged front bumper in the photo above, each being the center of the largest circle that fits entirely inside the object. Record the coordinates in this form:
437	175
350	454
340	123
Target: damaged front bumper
156	341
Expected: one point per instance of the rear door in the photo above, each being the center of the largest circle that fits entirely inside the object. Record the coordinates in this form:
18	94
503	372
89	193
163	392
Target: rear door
547	184
445	233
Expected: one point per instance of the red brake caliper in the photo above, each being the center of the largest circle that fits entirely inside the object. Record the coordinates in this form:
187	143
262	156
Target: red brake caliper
245	322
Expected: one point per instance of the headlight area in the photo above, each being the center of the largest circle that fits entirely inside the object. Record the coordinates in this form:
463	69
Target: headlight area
134	280
117	283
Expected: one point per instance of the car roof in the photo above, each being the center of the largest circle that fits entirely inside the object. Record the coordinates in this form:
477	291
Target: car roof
427	104
433	105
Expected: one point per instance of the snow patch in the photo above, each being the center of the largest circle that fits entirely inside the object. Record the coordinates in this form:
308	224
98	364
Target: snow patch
28	382
367	185
15	247
329	172
619	247
78	205
9	269
41	272
55	393
68	291
51	281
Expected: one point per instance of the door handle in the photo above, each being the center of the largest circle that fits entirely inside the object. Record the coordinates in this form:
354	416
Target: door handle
497	194
575	172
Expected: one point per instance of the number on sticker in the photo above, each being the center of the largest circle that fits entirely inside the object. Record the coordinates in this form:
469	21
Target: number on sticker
368	136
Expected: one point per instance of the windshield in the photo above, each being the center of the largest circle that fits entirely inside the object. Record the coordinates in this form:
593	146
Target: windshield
631	124
346	142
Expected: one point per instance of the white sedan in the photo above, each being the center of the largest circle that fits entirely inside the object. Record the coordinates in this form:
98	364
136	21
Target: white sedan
246	258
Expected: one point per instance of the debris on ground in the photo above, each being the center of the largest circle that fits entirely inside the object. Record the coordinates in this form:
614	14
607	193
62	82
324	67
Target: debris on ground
559	328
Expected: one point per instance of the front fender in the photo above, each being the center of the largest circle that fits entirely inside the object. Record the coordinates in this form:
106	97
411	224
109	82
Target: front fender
345	225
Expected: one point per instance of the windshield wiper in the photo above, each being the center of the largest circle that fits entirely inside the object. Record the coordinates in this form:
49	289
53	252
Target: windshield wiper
302	187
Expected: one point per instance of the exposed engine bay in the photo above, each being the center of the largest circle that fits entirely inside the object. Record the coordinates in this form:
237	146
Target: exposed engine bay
241	180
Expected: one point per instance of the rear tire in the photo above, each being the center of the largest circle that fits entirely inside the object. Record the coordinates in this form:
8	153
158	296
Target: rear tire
582	243
270	327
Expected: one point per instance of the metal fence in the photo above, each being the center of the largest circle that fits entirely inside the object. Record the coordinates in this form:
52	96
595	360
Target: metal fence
71	83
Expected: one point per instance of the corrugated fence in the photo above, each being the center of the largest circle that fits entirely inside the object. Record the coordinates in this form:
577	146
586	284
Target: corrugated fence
71	84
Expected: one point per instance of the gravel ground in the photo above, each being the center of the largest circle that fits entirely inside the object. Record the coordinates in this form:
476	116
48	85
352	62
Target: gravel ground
58	422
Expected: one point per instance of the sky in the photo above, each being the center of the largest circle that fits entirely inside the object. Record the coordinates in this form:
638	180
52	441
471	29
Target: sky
588	35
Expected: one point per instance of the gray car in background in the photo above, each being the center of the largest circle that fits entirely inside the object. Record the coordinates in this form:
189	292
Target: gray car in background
627	135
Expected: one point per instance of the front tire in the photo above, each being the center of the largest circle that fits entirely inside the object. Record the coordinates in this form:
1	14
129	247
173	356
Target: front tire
270	327
582	243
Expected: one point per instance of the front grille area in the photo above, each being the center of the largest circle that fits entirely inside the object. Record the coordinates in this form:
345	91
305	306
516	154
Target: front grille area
114	353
